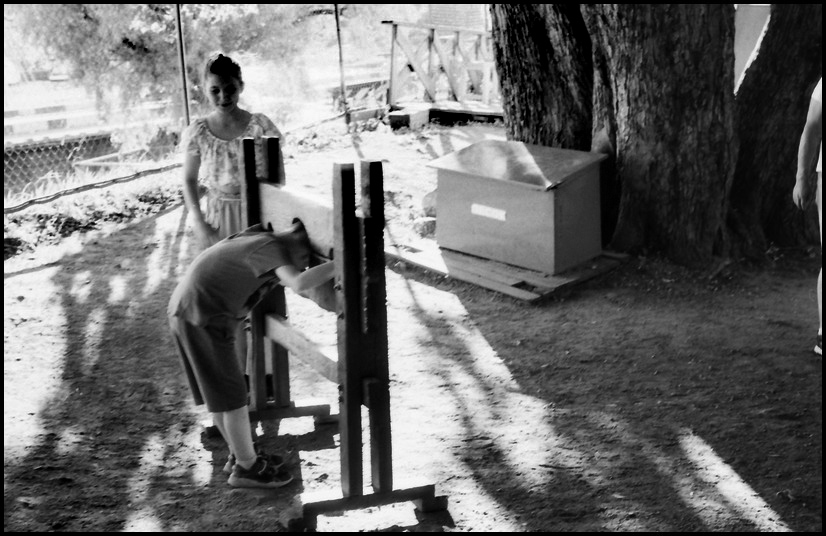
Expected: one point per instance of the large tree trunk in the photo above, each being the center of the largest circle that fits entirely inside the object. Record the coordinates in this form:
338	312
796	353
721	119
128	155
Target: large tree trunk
543	57
772	102
667	73
671	69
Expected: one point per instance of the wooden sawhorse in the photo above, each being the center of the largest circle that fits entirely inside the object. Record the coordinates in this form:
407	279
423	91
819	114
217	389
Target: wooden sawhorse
359	292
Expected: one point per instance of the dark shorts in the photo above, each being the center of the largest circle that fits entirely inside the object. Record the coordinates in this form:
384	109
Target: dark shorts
209	358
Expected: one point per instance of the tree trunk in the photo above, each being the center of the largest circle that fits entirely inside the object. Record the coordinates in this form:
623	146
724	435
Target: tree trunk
543	59
667	72
671	72
771	106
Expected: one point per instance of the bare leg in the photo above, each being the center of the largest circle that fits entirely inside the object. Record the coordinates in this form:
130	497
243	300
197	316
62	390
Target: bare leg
819	200
237	431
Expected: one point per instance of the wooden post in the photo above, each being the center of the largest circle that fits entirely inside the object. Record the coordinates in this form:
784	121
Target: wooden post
261	351
431	74
250	197
275	161
391	95
347	253
374	326
363	372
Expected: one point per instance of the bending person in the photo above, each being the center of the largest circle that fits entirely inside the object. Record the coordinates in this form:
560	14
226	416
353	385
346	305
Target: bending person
214	296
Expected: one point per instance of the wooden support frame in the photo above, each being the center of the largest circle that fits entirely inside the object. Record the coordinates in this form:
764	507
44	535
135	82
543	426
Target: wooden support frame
361	366
463	55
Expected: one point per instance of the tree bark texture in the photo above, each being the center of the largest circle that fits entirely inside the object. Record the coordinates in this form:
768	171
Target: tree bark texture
543	59
671	74
771	106
661	79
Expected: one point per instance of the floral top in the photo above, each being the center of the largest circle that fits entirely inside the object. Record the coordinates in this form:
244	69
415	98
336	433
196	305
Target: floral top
222	161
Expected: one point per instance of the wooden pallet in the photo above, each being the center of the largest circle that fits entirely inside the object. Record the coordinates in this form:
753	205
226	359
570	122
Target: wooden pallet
515	281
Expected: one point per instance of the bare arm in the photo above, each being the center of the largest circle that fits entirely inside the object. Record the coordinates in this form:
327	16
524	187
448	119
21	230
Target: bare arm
205	234
807	155
309	278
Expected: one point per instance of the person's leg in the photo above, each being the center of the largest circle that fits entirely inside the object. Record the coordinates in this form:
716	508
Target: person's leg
819	199
250	469
236	429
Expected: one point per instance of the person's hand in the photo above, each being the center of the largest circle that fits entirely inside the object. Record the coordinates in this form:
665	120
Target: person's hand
206	235
803	193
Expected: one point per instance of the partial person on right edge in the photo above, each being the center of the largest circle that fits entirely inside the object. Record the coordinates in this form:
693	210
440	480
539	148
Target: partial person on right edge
809	183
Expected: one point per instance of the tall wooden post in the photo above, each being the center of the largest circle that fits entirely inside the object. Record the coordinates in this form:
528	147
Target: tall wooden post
261	350
362	328
391	88
347	253
374	326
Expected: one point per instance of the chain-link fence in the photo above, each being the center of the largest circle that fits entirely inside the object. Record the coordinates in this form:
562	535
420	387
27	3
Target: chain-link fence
26	163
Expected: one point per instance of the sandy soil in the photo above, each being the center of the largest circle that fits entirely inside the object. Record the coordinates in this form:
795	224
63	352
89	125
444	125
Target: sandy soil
651	398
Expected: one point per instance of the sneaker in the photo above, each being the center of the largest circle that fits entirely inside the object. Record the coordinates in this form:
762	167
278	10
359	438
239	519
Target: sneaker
276	461
260	475
819	345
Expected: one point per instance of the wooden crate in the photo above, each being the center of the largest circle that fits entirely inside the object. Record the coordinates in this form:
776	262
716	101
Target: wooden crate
525	205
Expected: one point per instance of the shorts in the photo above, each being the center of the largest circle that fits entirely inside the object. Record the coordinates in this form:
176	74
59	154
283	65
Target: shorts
209	357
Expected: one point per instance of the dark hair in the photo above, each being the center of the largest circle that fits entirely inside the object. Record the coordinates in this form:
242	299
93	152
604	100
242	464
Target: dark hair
223	66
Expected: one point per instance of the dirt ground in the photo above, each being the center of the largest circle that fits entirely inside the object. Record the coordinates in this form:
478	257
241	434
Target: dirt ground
651	398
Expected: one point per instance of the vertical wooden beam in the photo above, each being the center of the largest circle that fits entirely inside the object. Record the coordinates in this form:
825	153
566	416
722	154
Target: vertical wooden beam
261	350
374	327
275	162
347	253
276	302
431	74
251	197
251	206
391	89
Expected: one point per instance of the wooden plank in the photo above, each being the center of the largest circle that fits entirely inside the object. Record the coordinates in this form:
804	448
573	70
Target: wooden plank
376	375
448	68
494	285
275	302
412	61
481	268
324	502
491	267
320	411
280	205
433	261
279	330
348	280
249	192
432	27
275	173
512	280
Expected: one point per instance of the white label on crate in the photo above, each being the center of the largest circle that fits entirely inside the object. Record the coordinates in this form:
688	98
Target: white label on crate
488	212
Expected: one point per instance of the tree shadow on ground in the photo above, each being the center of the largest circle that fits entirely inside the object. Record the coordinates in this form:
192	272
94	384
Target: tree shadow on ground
639	401
647	411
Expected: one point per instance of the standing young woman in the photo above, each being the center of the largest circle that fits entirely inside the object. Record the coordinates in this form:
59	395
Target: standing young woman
213	153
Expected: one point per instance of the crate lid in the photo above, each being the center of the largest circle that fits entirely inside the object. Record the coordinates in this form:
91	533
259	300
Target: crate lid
537	166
